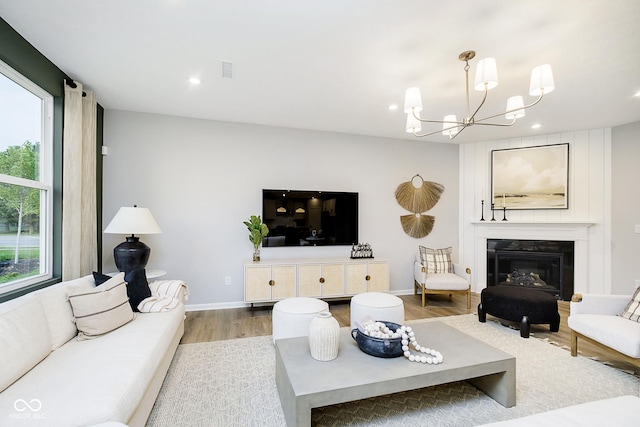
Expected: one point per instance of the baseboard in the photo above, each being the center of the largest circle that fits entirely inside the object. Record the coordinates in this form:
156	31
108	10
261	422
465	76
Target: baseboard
242	304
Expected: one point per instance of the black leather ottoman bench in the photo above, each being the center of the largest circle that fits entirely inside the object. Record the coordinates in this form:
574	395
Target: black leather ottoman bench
518	304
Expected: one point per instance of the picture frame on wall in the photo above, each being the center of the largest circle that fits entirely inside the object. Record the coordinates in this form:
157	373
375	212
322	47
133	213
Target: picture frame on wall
530	177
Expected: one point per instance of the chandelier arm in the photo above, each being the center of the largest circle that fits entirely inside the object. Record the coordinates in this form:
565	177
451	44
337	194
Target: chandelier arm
459	132
497	124
435	121
438	131
511	111
484	98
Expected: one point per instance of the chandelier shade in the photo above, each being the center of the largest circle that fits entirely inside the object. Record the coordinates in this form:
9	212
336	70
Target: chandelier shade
486	78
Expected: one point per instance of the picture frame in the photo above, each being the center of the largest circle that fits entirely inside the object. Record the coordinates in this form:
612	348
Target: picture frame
530	177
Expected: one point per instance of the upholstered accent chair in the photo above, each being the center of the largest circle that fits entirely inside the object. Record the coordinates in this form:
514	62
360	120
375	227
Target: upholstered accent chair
435	273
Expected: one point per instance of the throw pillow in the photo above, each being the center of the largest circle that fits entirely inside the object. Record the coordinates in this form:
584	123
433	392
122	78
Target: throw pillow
437	260
102	309
632	310
100	278
137	287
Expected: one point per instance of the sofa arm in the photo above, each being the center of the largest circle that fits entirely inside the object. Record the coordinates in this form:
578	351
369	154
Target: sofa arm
170	288
464	272
419	272
598	304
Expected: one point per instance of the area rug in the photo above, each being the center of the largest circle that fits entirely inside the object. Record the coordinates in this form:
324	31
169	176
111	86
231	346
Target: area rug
232	383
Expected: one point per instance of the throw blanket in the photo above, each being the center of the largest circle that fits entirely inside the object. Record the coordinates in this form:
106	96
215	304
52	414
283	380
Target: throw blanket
164	296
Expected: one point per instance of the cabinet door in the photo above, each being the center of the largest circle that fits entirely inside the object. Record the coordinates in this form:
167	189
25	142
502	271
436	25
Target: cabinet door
355	278
309	276
284	281
256	284
378	275
333	280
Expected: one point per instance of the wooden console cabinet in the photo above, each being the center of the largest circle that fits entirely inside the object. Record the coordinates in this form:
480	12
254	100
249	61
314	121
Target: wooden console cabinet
273	280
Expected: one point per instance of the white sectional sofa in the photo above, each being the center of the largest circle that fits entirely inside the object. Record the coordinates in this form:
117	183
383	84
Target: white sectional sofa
49	377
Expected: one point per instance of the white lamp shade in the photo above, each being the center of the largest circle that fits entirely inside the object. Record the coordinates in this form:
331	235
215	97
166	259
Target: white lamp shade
515	108
541	80
412	100
486	74
413	124
133	221
450	120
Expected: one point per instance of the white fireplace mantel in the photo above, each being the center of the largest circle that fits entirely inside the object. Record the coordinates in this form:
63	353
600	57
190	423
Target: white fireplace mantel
576	231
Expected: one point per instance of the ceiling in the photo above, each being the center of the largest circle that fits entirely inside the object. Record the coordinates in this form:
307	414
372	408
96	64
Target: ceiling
337	65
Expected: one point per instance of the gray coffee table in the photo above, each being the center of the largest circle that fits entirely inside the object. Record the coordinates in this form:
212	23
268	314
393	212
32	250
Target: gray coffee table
305	383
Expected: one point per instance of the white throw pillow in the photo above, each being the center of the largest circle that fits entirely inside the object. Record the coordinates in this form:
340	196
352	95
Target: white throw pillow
632	310
102	309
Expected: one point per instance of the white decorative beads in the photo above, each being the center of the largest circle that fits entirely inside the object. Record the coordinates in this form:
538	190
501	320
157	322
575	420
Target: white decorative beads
380	330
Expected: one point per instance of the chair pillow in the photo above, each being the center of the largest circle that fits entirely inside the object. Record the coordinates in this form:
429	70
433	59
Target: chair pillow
437	260
102	309
632	310
137	287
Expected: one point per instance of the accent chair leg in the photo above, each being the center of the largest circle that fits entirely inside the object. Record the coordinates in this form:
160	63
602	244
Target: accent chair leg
424	296
469	298
524	327
482	316
574	344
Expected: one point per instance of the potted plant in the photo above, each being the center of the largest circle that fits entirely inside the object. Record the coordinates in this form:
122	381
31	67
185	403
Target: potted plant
257	230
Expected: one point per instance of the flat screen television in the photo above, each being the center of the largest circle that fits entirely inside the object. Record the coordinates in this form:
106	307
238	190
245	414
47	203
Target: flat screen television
310	218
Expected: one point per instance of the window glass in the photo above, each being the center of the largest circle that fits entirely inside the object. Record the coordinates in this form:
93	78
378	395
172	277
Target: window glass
25	181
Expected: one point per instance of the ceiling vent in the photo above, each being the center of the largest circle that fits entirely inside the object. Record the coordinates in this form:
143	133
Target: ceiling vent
227	70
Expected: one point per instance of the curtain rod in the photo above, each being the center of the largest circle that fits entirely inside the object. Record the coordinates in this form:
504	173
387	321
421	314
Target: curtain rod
73	85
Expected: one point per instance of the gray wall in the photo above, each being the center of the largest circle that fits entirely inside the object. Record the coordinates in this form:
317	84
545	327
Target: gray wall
625	201
201	179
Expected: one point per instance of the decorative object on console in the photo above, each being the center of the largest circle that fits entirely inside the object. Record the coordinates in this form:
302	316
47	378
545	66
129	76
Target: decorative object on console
539	181
361	250
324	337
132	254
257	231
541	83
418	196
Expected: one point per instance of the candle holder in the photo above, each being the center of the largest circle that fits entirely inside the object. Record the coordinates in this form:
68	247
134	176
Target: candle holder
504	213
493	212
482	217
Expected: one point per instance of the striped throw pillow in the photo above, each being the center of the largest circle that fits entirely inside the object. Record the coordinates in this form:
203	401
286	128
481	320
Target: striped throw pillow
632	310
102	309
437	260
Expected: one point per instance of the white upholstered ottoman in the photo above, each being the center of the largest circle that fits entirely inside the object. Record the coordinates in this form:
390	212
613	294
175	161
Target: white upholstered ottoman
291	317
378	306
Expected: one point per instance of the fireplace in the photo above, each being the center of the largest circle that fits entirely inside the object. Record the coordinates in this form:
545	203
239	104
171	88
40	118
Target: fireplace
546	265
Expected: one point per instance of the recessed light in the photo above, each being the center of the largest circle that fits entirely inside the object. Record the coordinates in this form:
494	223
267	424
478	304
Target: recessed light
536	126
393	107
194	81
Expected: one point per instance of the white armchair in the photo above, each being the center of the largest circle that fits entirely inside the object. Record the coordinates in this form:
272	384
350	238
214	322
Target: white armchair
596	318
458	282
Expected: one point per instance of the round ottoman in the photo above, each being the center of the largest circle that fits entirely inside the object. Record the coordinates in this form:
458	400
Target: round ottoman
291	317
378	306
518	304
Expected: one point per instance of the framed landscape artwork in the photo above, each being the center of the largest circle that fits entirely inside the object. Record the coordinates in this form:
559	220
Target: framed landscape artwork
530	177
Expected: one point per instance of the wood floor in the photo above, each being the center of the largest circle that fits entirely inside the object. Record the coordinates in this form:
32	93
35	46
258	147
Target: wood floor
213	325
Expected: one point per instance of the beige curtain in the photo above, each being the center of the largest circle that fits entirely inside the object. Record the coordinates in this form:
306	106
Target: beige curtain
79	225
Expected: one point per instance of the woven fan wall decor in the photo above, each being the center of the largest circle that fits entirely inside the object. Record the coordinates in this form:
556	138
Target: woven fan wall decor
418	196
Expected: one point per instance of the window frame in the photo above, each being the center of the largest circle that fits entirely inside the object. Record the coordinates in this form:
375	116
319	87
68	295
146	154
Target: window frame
44	184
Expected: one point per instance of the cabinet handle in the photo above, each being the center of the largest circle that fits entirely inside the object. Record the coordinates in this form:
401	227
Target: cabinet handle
322	280
367	277
272	282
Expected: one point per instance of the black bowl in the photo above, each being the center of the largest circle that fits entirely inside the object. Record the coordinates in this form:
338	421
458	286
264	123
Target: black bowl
379	347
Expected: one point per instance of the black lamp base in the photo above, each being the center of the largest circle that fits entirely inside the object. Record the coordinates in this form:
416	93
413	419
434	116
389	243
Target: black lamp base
131	255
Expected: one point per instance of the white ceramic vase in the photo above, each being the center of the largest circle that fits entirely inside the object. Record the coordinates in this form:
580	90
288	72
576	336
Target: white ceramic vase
324	337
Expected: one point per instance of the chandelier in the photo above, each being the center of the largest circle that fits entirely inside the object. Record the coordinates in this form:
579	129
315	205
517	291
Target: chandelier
486	79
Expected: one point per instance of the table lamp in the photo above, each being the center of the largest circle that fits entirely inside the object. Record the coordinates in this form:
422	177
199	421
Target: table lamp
132	254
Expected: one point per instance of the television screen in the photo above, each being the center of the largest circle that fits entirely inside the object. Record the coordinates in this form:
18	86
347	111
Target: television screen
310	218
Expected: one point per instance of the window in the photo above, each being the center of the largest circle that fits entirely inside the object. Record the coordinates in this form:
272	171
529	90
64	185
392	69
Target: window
26	178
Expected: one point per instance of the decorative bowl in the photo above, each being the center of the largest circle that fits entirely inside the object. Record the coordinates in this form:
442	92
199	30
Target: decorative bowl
379	347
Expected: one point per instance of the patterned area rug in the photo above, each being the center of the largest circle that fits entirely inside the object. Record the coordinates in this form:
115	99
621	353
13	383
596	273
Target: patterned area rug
232	383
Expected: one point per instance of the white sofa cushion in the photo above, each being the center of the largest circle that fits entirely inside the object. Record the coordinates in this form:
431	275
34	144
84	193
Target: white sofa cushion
600	327
24	338
120	366
102	309
445	281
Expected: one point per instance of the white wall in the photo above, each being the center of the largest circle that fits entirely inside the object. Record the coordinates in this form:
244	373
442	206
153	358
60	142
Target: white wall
201	179
589	198
625	242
